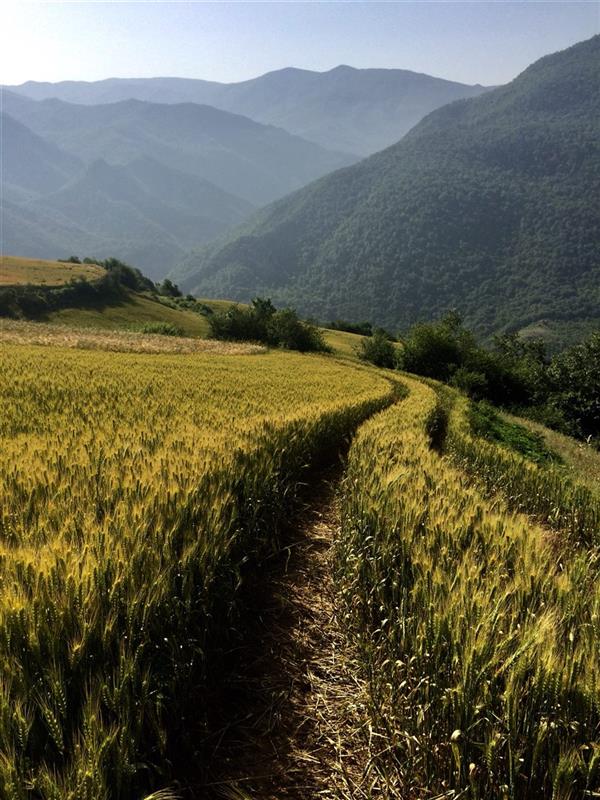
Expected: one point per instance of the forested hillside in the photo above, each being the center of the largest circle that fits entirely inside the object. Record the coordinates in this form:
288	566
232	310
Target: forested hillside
489	206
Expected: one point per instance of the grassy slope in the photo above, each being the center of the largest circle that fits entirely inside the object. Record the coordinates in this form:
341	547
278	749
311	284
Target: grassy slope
581	461
138	309
15	270
143	309
342	342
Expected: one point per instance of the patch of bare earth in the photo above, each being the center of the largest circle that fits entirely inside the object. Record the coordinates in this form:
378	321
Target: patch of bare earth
292	707
38	333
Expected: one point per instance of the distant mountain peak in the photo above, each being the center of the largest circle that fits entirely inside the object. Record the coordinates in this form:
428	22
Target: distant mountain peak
344	109
488	206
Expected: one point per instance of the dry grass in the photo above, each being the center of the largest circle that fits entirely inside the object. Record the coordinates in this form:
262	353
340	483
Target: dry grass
15	271
38	333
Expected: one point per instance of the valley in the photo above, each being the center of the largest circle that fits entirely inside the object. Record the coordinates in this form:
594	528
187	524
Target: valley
300	403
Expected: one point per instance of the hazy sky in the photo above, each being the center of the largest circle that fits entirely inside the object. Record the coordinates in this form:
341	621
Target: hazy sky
474	42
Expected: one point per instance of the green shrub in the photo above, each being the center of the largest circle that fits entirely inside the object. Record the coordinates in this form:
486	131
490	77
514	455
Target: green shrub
574	378
379	350
238	324
262	322
485	422
129	277
285	330
437	349
188	303
509	375
169	289
562	392
475	384
161	328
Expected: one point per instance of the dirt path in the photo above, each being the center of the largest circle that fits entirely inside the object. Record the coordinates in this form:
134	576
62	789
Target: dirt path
293	701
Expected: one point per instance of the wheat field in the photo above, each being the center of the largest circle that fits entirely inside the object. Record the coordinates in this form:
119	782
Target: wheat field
134	489
15	270
139	488
478	628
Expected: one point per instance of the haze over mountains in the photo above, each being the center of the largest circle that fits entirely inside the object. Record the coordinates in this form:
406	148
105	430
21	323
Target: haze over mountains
489	205
146	170
358	111
143	210
215	167
253	161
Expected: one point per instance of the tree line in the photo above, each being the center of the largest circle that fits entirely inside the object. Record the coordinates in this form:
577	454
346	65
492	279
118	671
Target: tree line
562	391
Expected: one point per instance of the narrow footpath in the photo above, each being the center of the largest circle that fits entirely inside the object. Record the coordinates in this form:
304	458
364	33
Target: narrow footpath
294	699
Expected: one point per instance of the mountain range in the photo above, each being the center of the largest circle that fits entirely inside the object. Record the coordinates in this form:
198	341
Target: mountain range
143	181
352	110
149	169
489	205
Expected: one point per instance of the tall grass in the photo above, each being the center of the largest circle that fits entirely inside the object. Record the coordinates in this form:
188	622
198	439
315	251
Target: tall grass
478	635
133	488
542	490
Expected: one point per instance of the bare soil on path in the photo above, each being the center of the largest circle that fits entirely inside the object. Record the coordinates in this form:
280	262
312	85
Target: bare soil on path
293	700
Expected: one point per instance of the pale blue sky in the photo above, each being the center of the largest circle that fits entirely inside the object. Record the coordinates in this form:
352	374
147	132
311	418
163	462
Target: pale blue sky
474	42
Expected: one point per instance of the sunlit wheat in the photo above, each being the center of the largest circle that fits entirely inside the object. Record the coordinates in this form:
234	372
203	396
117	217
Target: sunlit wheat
133	488
478	630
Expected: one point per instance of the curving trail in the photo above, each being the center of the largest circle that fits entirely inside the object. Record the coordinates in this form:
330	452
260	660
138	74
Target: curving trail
293	701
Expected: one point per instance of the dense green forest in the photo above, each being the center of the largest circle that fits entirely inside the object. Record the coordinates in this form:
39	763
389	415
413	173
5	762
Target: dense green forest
488	206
